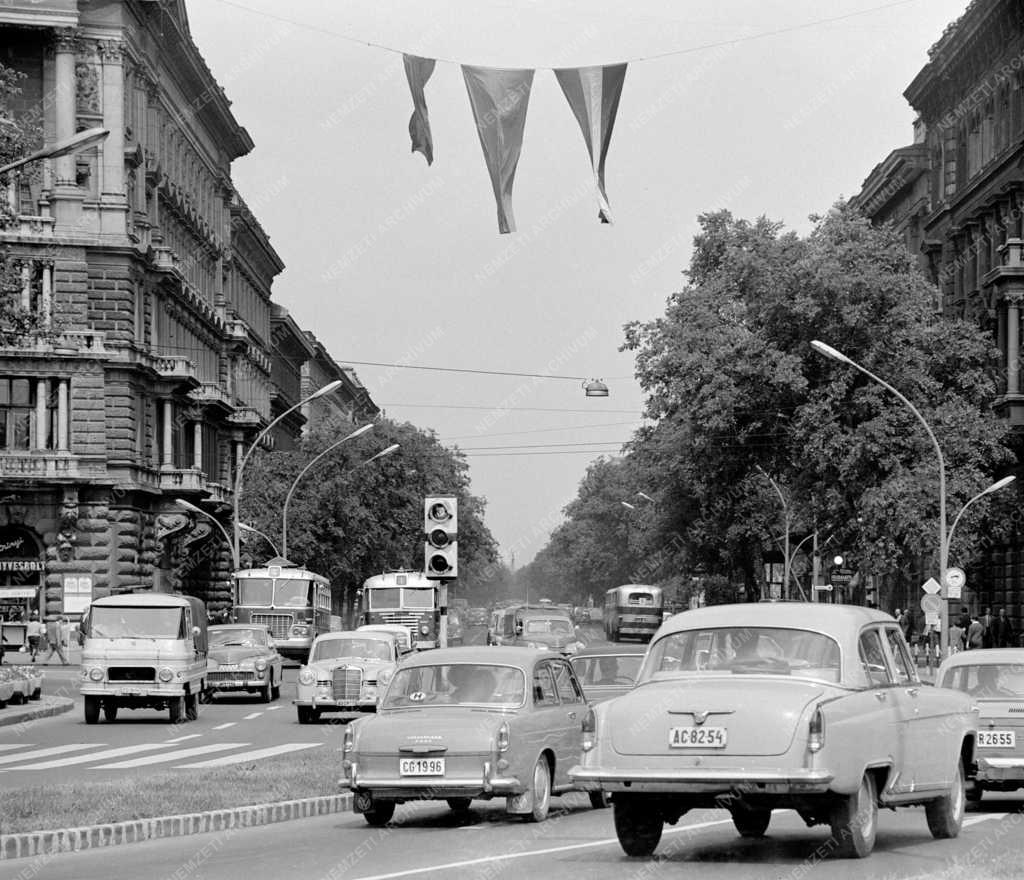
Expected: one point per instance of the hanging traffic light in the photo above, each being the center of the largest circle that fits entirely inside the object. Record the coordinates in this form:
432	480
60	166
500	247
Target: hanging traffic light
441	532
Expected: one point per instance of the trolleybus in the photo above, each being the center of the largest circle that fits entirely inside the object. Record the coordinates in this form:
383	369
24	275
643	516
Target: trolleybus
633	611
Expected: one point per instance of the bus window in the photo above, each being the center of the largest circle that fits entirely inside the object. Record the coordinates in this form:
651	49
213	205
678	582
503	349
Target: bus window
418	598
293	593
256	591
641	599
383	597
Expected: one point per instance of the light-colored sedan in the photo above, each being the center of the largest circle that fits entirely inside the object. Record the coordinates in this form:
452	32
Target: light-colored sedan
810	707
462	723
608	671
994	679
345	673
242	657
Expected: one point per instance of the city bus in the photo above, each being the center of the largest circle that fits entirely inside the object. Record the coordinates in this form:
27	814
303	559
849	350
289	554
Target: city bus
292	602
408	598
633	611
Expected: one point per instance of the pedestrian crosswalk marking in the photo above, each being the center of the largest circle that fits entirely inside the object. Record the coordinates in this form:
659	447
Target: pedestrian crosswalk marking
45	753
183	738
94	756
273	708
252	715
7	747
249	756
224	726
175	755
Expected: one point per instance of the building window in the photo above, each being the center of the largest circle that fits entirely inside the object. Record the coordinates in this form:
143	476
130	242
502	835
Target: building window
21	420
211	453
180	447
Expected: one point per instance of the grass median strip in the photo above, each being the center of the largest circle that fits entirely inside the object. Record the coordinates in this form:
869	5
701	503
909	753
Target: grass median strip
123	797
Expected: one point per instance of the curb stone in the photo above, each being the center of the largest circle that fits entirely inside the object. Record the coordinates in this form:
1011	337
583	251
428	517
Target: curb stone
40	843
47	707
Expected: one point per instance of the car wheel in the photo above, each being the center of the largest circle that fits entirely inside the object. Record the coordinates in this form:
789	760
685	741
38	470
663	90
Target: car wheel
459	805
275	691
307	715
380	813
540	791
749	822
265	693
92	710
975	792
598	799
191	707
37	694
854	821
109	710
946	815
176	709
637	827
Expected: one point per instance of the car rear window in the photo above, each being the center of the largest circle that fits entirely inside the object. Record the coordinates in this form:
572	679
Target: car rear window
456	684
993	681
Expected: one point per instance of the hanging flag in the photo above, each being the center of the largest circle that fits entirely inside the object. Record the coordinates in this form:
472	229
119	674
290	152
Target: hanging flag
593	93
418	71
499	99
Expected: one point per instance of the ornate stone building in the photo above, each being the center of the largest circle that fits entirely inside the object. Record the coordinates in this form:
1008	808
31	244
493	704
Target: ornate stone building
155	279
957	194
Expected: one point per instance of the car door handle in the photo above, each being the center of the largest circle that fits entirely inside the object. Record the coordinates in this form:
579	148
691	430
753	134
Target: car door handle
913	691
880	696
572	715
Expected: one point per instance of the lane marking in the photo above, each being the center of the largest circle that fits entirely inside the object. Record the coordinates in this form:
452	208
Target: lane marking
170	756
273	708
181	739
974	820
7	747
249	756
252	715
45	753
94	756
607	841
224	726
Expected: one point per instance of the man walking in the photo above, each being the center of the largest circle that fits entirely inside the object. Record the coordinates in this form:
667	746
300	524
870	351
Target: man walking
1004	636
55	637
34	631
988	629
975	633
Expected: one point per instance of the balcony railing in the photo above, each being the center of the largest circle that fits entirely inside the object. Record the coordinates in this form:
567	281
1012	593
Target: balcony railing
49	465
182	480
210	394
177	368
89	343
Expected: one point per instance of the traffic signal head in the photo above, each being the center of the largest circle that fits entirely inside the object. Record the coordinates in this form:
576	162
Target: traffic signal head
440	533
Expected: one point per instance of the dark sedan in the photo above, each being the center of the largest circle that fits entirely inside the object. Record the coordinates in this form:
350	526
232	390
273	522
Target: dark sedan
607	671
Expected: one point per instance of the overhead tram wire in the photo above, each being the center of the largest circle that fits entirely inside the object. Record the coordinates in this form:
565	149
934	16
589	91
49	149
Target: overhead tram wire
497	408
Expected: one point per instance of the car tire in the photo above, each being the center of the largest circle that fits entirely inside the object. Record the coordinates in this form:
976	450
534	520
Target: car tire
92	710
109	710
598	799
176	709
751	822
37	694
946	814
191	707
459	804
975	792
380	813
636	825
308	715
540	791
854	821
275	691
265	692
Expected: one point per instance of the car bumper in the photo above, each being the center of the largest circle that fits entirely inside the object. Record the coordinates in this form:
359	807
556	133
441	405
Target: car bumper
433	787
354	709
147	691
701	781
1000	769
238	684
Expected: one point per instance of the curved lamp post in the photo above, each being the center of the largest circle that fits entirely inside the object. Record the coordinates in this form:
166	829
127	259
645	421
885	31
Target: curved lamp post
327	389
255	531
188	505
995	487
77	142
787	516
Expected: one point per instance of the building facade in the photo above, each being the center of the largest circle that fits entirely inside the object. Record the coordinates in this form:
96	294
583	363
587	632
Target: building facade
154	280
957	195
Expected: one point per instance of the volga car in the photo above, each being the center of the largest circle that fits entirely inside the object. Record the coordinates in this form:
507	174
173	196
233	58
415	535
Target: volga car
607	671
345	673
462	723
242	657
994	679
810	707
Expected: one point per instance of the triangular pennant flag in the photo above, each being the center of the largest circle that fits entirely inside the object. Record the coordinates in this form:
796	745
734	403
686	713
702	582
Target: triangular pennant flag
499	99
418	71
593	93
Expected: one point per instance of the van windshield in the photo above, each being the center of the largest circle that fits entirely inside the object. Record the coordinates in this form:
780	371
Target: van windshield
126	622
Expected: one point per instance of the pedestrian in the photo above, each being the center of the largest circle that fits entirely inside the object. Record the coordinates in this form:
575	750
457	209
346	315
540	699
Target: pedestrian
35	632
1004	636
956	638
65	633
965	618
988	629
53	636
975	633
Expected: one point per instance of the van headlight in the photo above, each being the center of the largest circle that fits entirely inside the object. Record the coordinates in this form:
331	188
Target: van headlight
307	676
166	674
261	664
96	674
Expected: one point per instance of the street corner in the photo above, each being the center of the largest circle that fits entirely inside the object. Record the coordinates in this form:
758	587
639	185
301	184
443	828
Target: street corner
26	713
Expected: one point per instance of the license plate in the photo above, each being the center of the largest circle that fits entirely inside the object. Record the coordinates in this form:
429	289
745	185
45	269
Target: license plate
129	692
997	739
697	737
421	766
224	667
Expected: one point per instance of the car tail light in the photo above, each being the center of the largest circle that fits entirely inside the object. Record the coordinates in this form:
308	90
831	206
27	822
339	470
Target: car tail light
816	731
348	743
589	729
503	737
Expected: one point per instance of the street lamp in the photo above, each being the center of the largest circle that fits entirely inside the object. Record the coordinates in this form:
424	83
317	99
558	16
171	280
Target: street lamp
256	531
188	505
789	521
327	389
830	352
628	505
302	473
995	487
74	144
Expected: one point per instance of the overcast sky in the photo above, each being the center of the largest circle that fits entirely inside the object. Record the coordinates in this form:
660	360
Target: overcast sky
391	260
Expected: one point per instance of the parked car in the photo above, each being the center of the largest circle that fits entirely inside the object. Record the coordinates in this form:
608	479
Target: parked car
242	657
402	633
457	724
476	617
607	671
345	673
994	679
755	707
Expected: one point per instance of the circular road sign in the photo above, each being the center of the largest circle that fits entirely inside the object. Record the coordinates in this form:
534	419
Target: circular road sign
955	578
931	604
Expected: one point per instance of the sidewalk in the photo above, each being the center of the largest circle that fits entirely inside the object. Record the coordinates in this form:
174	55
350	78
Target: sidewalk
56	700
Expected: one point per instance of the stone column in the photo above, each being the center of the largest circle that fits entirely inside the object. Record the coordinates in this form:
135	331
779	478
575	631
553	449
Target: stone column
197	445
46	302
41	413
64	44
112	181
62	415
1013	301
168	453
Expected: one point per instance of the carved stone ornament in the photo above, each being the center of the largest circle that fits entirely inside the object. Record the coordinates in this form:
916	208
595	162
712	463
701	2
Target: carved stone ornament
68	517
111	51
200	532
169	524
87	88
66	40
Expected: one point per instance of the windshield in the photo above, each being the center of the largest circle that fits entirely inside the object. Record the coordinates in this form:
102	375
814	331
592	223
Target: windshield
242	638
608	669
460	684
362	649
992	681
255	591
640	599
386	597
547	626
114	622
418	598
291	593
745	650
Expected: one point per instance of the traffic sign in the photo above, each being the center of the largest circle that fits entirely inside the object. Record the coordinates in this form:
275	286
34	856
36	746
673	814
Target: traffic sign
931	604
953	592
955	578
842	576
931	618
931	586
